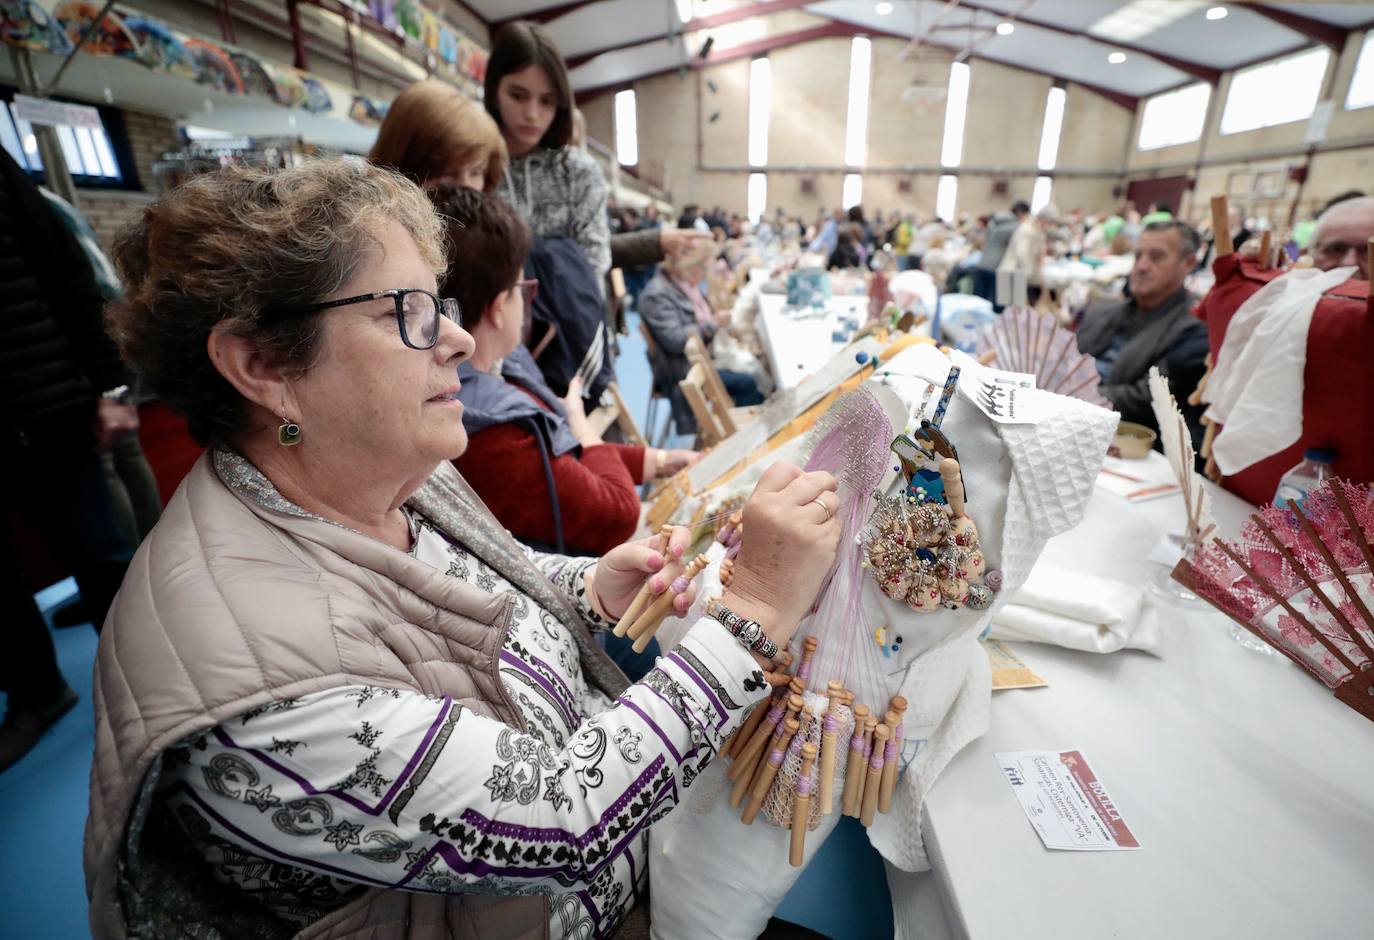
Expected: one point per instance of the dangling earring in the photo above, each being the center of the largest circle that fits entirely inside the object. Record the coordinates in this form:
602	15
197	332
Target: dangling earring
289	433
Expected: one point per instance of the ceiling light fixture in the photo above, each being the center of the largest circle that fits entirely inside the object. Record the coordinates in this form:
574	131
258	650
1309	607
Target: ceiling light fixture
883	9
1138	18
1217	13
1005	29
1116	58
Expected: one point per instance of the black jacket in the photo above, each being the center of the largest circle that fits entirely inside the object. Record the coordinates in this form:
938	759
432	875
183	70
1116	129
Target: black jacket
1168	337
55	357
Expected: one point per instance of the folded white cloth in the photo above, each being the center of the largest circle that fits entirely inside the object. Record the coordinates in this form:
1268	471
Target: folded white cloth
1256	386
1079	611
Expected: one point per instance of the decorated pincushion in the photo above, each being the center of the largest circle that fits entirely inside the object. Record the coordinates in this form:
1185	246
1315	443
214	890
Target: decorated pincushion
922	547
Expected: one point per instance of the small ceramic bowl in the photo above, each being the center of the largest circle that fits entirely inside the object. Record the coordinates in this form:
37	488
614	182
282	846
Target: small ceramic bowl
1132	441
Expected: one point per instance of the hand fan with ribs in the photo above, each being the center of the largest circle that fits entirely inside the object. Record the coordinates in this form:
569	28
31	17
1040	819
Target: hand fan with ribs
1302	580
1035	343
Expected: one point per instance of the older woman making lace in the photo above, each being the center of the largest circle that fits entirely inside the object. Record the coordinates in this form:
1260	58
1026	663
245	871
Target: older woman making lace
333	697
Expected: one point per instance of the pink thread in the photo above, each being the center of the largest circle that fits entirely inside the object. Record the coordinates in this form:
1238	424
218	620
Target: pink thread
876	761
856	743
804	671
831	724
890	752
723	536
795	745
804	786
732	552
680	584
775	757
773	717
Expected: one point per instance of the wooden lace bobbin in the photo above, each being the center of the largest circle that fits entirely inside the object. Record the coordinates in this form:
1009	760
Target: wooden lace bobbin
954	486
768	770
748	754
780	676
873	780
643	629
785	704
853	780
745	732
645	593
746	770
892	759
830	731
801	807
1266	250
808	653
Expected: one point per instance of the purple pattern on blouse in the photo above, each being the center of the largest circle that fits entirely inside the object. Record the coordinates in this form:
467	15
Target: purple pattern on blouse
344	795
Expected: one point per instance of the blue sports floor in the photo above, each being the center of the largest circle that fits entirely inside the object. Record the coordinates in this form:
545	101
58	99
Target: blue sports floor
43	798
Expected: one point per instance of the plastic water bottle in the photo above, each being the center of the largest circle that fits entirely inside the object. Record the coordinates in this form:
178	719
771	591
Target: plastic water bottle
1306	476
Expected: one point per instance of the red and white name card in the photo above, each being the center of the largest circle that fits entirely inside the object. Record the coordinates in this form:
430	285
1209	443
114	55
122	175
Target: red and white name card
1065	802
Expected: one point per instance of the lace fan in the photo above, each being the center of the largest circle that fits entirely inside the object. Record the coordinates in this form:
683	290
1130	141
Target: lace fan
1035	343
1302	580
1178	448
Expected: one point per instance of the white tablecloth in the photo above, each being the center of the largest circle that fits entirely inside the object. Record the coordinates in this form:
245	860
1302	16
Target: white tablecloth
798	343
1247	783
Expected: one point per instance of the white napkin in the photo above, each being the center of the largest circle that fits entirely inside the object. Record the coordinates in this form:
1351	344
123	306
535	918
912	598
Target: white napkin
1256	386
1079	611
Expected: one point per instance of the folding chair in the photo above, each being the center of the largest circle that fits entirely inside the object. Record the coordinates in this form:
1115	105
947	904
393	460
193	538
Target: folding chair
730	416
657	396
711	426
613	411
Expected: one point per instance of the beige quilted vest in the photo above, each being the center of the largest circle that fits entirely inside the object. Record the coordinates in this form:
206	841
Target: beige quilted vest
238	598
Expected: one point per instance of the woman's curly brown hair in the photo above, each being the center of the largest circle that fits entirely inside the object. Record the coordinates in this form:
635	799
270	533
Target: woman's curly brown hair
223	248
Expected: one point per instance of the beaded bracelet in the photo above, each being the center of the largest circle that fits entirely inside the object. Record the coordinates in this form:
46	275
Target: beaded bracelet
749	632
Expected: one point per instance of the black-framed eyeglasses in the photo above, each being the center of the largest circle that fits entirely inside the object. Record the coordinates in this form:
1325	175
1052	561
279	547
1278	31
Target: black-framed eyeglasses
417	312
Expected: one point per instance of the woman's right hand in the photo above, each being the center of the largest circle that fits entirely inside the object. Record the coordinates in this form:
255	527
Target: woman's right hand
788	548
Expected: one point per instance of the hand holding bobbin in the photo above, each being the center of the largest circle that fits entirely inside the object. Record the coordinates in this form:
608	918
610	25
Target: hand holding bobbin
791	535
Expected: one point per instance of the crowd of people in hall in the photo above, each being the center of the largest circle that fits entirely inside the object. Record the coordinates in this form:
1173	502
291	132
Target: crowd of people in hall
398	556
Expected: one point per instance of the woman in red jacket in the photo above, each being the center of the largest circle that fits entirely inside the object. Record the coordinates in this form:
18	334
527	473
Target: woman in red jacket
533	458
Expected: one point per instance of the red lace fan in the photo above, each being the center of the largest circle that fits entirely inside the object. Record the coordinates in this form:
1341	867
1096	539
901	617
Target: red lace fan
1302	580
1027	341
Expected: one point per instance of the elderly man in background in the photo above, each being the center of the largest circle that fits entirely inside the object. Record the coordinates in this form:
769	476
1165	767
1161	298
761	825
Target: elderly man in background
1343	232
1151	327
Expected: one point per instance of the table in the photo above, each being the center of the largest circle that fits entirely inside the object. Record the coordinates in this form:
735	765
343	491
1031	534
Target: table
1246	782
797	342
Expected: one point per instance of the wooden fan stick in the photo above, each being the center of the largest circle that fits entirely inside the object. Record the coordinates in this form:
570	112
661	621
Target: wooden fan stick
1277	595
801	806
1221	227
645	593
1266	246
1331	563
1063	351
1312	586
1034	348
1338	492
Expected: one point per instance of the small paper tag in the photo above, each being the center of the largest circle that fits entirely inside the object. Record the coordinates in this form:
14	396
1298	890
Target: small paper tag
1066	804
1000	395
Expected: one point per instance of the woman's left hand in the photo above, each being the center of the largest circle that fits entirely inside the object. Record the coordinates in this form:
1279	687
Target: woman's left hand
613	582
671	462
